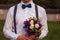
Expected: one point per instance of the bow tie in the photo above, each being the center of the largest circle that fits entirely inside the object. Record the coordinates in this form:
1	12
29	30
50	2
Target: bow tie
24	6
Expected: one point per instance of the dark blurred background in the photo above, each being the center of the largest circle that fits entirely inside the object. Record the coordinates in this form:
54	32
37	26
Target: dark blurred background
55	4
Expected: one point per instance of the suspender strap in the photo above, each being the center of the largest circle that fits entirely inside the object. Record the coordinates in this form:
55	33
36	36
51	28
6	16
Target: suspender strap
15	10
36	9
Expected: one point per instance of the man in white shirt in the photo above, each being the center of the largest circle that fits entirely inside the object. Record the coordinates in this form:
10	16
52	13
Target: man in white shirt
22	14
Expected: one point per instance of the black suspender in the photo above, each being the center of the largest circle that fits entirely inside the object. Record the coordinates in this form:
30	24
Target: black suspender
36	9
15	10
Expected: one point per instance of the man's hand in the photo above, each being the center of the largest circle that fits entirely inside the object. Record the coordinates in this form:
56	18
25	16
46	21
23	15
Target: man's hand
32	37
37	38
22	38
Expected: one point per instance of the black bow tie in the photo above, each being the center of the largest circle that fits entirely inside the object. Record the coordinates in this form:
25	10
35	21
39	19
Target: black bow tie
24	6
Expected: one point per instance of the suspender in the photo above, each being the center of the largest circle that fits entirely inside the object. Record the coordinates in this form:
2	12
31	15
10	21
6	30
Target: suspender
15	10
36	9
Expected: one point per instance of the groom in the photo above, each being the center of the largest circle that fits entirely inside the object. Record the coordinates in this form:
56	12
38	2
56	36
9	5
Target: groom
25	10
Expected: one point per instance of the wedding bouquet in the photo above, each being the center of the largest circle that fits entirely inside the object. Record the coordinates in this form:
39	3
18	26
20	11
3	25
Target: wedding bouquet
32	26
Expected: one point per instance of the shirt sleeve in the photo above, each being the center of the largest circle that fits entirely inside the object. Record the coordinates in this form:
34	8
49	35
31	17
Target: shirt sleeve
7	30
43	20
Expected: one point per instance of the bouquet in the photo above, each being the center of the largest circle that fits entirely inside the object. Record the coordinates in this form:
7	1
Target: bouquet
32	26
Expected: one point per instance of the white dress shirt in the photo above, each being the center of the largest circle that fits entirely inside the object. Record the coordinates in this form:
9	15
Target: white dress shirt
21	16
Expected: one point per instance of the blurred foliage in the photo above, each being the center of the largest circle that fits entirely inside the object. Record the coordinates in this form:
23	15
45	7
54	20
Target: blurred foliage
48	3
44	3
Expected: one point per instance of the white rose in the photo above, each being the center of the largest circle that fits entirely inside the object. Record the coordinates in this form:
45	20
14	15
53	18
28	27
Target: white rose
31	22
32	26
37	26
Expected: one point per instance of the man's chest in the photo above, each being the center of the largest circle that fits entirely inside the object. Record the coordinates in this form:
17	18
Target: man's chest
25	14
